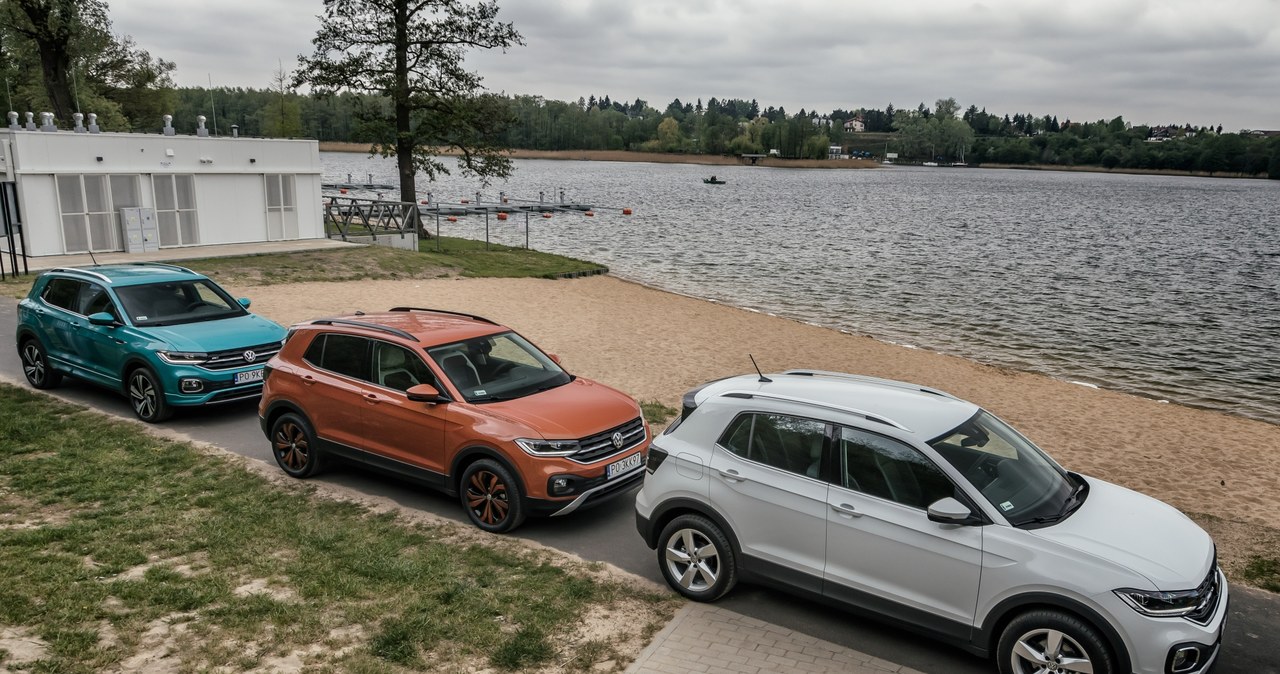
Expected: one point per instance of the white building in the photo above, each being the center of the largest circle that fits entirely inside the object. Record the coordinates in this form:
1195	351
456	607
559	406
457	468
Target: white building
71	187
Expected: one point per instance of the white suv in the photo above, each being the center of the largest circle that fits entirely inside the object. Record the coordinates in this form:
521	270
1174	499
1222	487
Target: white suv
926	509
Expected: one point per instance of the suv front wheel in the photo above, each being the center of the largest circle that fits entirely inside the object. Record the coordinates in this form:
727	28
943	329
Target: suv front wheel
146	397
696	558
491	496
1047	640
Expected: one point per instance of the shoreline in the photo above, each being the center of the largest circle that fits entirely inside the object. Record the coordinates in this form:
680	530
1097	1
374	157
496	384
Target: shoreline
774	162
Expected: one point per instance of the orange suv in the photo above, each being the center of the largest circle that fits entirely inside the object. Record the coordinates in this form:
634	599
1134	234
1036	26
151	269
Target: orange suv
458	402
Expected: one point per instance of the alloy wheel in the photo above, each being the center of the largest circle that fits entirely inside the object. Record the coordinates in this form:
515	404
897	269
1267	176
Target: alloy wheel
291	446
487	497
692	559
1049	651
33	364
142	393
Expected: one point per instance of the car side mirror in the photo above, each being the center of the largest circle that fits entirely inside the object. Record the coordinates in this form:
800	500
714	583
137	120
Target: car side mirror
244	302
554	358
425	393
104	319
950	511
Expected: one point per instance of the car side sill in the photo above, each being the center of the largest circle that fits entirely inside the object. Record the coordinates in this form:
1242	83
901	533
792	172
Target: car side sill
430	478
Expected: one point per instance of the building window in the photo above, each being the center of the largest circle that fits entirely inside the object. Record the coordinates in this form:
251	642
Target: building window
282	207
88	205
176	209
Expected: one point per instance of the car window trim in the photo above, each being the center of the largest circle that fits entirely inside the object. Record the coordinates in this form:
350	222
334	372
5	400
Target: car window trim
368	355
51	305
413	353
826	444
963	494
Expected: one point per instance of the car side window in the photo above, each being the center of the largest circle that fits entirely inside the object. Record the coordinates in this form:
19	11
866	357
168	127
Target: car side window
399	368
63	293
790	443
883	467
94	299
344	354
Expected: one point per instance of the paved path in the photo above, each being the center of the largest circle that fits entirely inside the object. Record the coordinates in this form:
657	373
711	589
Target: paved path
712	640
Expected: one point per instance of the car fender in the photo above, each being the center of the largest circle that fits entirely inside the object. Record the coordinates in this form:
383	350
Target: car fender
986	636
679	505
472	453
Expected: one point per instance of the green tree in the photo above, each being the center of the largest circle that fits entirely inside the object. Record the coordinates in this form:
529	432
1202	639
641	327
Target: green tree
282	116
412	52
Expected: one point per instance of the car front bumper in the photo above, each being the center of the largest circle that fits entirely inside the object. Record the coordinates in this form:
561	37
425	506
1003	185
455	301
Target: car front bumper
1153	642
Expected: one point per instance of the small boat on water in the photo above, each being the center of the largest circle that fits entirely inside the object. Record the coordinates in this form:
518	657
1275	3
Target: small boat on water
714	181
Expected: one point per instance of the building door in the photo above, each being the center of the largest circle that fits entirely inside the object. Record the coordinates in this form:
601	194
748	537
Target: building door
176	209
88	221
282	209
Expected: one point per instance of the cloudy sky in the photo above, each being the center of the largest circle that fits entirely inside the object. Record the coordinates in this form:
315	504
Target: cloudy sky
1152	61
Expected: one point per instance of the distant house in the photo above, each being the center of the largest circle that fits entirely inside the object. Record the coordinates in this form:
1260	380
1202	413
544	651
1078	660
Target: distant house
1264	133
855	125
82	191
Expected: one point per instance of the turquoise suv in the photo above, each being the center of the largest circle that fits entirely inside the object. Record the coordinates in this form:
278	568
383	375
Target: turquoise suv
163	335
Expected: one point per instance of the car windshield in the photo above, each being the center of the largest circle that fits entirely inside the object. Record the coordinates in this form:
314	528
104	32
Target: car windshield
498	367
1019	479
175	302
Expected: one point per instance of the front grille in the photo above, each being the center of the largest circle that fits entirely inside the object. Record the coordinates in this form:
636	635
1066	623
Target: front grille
232	358
600	445
1209	590
237	394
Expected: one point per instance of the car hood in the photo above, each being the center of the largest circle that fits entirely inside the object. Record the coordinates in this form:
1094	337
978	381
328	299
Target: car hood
576	410
218	335
1141	533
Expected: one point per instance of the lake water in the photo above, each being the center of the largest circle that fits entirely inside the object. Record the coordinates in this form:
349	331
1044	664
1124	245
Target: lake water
1167	287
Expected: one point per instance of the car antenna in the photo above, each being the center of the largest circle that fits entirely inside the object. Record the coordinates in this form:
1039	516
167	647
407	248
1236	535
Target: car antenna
95	260
763	378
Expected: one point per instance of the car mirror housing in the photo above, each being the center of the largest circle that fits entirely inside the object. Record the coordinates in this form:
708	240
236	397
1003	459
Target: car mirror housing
950	511
425	393
103	318
244	302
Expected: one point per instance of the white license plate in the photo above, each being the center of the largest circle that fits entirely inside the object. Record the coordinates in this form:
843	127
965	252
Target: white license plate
625	465
249	377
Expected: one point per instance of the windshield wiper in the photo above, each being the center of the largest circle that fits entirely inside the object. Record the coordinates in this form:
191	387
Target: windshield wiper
1073	501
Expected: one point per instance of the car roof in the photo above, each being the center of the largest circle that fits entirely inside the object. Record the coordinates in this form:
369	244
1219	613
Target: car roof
130	273
428	327
917	410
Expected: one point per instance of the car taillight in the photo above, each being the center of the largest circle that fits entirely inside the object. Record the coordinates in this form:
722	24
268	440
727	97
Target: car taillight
656	456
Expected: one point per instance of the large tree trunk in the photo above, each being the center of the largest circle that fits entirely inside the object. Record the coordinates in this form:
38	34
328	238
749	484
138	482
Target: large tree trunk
404	137
52	31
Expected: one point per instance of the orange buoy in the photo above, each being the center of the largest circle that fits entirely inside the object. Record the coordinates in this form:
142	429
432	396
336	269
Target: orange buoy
342	191
452	218
626	211
590	214
502	216
426	201
465	201
546	215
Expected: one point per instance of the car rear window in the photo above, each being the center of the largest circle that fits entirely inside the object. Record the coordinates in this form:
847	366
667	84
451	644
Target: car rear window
343	354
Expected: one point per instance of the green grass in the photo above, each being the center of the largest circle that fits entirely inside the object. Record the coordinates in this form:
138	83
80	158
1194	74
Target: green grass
471	258
107	530
1263	572
657	413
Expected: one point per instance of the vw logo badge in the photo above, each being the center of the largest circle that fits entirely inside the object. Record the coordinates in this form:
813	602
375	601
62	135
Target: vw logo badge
250	356
617	440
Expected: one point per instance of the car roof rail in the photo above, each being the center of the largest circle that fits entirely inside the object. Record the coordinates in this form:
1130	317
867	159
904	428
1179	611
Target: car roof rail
159	264
870	380
78	270
362	324
869	416
445	311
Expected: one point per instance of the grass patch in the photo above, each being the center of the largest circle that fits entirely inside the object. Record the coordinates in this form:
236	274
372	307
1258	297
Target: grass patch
16	287
471	258
1263	572
657	413
342	264
118	544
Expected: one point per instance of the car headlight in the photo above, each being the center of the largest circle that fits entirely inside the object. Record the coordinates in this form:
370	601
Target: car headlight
1163	604
539	447
183	357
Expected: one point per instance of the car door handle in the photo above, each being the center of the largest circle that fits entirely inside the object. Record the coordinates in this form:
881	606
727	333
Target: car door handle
731	475
308	379
846	510
372	398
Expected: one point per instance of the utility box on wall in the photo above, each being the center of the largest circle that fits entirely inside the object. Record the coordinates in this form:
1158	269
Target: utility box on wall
141	233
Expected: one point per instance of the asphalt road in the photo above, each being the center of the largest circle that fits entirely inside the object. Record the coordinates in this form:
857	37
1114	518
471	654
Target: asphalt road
607	533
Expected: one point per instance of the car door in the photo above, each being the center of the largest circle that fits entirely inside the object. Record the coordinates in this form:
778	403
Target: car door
881	545
765	480
398	428
335	387
56	313
101	348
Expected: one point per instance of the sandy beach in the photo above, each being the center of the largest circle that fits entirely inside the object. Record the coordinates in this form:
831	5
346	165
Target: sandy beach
1221	469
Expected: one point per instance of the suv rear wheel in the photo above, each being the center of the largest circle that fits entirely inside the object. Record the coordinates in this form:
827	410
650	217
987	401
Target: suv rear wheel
293	444
491	496
35	365
696	558
1047	640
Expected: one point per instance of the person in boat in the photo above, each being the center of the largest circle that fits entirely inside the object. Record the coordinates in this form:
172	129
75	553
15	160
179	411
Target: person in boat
713	178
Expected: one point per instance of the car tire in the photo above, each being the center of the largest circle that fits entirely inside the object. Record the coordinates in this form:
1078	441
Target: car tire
35	365
491	496
146	396
1045	639
696	558
293	444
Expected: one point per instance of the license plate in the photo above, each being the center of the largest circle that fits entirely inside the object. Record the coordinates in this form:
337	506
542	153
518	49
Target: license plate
249	377
625	465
